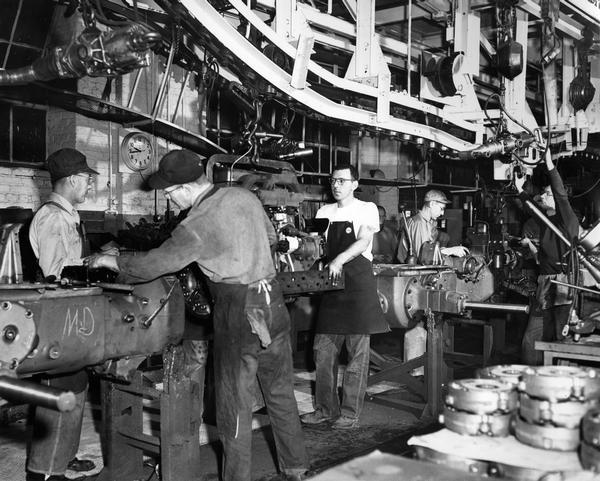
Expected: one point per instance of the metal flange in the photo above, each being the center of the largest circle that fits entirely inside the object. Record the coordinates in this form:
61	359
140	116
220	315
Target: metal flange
510	373
496	425
567	414
590	427
559	383
17	334
546	437
482	396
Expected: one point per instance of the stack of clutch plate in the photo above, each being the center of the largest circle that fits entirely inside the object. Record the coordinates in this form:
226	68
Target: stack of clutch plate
552	402
589	451
480	407
510	373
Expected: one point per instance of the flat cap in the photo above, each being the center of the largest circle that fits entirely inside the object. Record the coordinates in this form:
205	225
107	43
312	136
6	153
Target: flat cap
176	167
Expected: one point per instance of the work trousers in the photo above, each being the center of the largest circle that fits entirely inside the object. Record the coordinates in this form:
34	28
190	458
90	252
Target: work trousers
239	359
326	353
55	438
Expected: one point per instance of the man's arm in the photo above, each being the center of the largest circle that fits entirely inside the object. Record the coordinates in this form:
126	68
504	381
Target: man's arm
561	200
363	239
174	254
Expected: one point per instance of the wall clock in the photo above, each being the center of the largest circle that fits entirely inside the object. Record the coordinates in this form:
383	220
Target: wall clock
137	151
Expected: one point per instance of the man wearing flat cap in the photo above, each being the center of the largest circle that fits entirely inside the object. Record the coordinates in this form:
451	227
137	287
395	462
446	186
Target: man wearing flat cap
228	234
421	228
57	241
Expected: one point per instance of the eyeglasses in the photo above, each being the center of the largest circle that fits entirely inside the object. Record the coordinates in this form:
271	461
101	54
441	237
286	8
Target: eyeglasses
169	193
89	178
339	181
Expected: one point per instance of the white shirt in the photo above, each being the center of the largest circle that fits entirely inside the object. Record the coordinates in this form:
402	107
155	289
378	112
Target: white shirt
54	236
358	212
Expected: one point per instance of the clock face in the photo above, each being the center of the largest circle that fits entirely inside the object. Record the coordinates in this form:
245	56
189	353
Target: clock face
137	151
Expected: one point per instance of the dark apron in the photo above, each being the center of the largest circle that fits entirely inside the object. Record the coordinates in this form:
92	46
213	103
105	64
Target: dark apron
354	309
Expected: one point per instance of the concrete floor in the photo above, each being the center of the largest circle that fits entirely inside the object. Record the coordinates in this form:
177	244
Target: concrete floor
383	428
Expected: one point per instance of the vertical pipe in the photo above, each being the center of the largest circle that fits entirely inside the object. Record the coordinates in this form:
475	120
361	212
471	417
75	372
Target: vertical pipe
409	48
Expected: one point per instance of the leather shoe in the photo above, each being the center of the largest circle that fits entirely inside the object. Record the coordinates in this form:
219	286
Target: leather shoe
80	465
55	477
316	417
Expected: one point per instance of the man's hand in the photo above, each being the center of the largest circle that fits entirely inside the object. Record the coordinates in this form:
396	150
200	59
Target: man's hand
458	251
335	270
97	261
520	182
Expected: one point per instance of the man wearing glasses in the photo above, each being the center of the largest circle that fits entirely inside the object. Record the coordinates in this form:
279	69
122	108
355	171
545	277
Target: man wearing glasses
228	234
350	315
57	241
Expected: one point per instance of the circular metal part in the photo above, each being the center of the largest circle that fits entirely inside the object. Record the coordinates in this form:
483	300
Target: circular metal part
557	383
496	425
567	414
546	437
590	427
510	373
17	333
589	456
482	396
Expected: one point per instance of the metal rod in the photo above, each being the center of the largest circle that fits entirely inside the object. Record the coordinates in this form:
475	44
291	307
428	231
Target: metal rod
585	289
185	79
158	103
136	82
409	48
17	390
497	307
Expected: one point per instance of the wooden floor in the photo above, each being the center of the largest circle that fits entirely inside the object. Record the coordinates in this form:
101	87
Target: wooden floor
326	446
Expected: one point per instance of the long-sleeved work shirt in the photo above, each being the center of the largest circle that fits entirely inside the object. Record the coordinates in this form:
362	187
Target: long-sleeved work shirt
226	232
552	250
420	230
55	236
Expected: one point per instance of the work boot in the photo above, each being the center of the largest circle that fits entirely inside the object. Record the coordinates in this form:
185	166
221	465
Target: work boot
80	465
316	417
345	422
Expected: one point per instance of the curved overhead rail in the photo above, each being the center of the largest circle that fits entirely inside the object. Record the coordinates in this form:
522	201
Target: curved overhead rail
404	100
225	34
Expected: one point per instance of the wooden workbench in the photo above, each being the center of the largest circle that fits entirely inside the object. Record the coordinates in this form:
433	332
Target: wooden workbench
586	349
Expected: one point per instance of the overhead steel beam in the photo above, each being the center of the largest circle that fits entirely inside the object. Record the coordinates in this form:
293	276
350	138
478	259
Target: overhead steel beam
230	38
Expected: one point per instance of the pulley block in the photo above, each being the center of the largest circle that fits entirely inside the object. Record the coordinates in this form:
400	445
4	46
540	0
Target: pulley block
567	414
546	437
496	425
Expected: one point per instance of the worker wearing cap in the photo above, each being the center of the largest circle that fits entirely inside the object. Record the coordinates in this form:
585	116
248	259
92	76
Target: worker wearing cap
228	234
421	228
57	241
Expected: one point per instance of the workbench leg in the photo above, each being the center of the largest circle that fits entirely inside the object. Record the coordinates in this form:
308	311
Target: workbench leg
448	347
181	415
434	367
548	358
120	411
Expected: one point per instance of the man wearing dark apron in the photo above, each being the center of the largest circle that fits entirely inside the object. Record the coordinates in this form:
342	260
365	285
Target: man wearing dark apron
350	315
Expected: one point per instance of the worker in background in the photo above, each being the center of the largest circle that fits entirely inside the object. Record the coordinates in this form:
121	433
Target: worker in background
555	301
228	234
385	241
421	228
57	242
350	315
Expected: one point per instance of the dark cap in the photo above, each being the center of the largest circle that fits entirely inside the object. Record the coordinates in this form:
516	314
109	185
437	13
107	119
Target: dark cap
176	167
65	162
436	195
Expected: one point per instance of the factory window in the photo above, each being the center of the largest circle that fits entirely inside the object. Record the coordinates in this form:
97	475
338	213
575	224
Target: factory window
22	135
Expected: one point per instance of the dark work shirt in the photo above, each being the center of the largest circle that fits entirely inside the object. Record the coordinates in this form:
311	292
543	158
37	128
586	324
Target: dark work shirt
552	251
227	234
